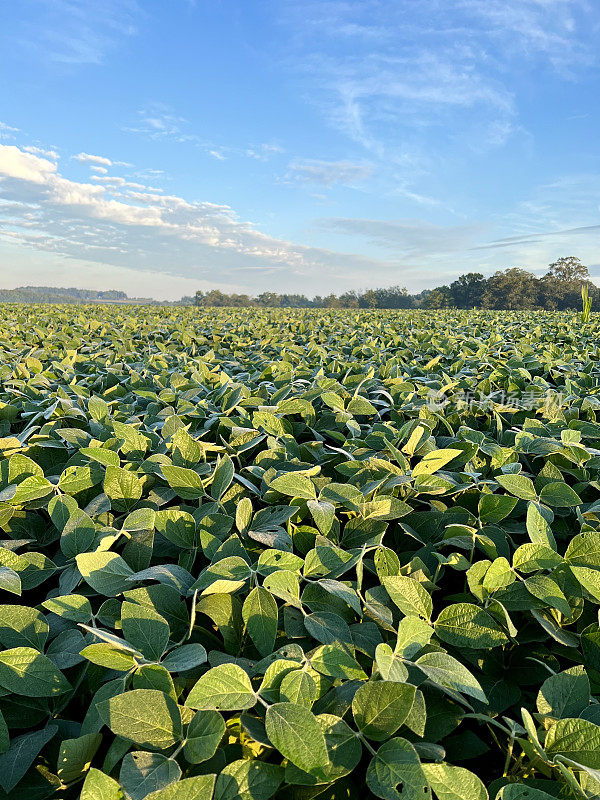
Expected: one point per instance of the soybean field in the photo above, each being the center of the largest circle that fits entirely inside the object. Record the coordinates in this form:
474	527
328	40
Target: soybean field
256	553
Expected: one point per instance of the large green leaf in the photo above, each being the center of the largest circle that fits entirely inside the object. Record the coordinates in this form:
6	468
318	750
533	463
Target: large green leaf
148	717
380	707
296	733
226	688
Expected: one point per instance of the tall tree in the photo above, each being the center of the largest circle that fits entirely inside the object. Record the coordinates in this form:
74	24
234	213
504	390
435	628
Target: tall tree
568	269
467	290
511	288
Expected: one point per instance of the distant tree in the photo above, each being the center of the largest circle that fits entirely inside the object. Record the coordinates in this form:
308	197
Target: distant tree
511	288
269	300
441	297
560	287
349	300
568	269
467	290
295	301
368	299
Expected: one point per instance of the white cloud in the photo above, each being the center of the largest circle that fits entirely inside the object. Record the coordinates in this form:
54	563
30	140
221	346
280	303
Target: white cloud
86	158
158	121
42	152
24	166
329	173
108	222
7	132
99	170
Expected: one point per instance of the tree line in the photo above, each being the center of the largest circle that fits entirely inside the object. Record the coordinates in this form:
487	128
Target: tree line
558	289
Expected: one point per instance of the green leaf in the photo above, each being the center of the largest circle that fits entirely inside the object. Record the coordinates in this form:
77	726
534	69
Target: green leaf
344	751
23	751
177	526
222	477
294	485
260	614
445	670
98	786
4	735
520	791
467	625
75	756
285	585
589	579
109	656
32	488
576	739
204	734
185	482
559	494
145	629
547	590
26	671
408	595
434	461
142	773
200	787
518	485
225	688
495	507
298	687
532	557
123	487
565	694
296	733
22	626
105	572
154	676
583	550
380	708
184	658
78	534
454	783
413	635
146	716
227	575
334	661
248	780
10	580
397	762
74	607
141	520
323	514
539	519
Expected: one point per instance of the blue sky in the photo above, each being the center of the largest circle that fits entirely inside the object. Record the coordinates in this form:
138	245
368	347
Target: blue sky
295	145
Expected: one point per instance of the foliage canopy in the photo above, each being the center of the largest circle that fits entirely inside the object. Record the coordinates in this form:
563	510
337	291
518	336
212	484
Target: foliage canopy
260	554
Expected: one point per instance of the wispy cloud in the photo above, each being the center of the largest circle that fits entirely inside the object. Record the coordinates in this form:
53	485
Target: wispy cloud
71	32
87	158
41	151
328	173
409	239
7	132
157	121
453	67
